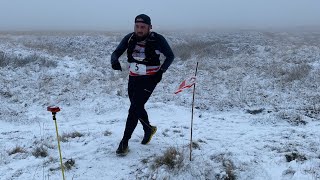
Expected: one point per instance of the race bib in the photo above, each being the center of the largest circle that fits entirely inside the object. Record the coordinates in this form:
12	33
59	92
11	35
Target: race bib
140	69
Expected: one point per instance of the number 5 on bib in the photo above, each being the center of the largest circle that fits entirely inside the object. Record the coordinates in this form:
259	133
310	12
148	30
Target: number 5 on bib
140	69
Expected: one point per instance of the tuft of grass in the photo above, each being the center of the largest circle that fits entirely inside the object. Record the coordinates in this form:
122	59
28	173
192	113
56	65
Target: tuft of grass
292	118
107	133
298	72
172	158
312	112
66	165
217	49
255	111
3	59
229	168
165	133
295	156
176	131
17	149
66	136
40	151
21	61
145	161
69	164
195	145
227	165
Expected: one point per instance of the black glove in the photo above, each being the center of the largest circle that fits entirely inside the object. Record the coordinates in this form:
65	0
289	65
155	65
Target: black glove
116	66
158	76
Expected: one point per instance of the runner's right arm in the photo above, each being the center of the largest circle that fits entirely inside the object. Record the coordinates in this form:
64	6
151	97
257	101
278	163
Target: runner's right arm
122	47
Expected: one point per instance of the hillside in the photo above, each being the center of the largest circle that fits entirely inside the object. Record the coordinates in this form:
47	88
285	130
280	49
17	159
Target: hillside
257	107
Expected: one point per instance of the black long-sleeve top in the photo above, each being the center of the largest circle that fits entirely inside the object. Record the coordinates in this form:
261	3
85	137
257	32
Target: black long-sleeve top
162	45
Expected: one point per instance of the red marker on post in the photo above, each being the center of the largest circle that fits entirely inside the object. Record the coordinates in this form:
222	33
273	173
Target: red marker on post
53	109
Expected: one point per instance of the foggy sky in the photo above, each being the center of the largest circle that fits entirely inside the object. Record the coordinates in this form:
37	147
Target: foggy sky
165	14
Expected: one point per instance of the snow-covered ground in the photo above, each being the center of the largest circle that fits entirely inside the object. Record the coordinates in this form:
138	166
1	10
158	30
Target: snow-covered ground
257	108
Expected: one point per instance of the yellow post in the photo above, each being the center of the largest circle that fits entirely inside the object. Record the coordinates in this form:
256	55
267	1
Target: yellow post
54	110
61	164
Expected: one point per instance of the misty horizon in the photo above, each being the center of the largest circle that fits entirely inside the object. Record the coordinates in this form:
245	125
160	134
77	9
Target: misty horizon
99	15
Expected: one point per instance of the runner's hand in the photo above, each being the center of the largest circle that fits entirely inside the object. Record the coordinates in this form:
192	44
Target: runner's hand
116	66
158	76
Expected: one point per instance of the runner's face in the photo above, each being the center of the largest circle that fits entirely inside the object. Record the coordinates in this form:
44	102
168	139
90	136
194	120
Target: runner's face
141	29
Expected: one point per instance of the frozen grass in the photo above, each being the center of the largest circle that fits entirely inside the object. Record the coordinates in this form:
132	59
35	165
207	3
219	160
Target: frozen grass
248	68
40	151
66	136
17	61
236	70
17	149
171	159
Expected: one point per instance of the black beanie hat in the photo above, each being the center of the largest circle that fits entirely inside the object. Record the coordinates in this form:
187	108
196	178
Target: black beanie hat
143	19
